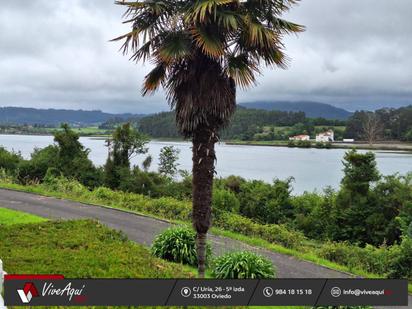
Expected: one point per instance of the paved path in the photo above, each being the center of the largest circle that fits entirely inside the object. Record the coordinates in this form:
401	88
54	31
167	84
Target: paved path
143	229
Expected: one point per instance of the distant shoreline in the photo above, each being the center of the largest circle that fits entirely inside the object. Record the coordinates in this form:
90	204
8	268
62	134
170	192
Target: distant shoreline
390	145
395	146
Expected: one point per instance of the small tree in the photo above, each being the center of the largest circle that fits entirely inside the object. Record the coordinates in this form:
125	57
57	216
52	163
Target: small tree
72	158
356	206
169	155
360	170
125	144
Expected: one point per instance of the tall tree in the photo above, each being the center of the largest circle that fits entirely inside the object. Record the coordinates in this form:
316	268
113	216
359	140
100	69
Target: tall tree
125	143
201	51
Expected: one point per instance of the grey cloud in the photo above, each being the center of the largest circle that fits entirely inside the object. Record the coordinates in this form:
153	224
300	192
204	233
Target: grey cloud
57	54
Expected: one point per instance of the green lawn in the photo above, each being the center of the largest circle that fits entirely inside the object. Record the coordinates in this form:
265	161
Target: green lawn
81	249
9	217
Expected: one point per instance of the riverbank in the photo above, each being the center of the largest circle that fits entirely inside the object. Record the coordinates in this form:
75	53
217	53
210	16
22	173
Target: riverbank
394	146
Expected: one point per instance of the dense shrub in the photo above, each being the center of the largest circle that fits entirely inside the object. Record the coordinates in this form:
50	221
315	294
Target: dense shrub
35	169
243	265
152	184
231	183
315	214
178	245
224	200
64	185
400	266
266	203
9	160
273	233
370	259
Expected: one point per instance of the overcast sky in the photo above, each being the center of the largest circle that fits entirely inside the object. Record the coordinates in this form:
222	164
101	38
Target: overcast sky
56	54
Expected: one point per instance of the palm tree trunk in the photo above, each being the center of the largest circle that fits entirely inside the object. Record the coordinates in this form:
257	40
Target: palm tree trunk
204	140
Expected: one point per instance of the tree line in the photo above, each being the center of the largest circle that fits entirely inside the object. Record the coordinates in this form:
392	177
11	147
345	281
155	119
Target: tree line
383	124
254	125
247	124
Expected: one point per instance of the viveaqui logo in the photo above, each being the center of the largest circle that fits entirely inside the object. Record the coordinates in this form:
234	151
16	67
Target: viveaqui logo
28	292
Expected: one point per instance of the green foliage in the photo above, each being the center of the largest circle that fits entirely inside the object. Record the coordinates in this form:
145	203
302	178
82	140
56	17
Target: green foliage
395	123
225	200
72	158
321	145
79	249
273	233
126	142
177	244
68	158
300	144
35	169
169	155
409	231
9	160
360	170
247	124
267	203
370	259
315	214
400	266
243	265
64	185
356	207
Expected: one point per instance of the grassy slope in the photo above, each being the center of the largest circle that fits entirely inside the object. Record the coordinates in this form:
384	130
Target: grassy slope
10	217
80	249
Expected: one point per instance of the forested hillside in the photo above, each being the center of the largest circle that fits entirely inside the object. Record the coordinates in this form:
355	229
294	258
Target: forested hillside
311	109
246	124
19	115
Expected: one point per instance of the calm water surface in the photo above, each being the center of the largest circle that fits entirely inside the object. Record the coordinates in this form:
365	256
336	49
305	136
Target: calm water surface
313	169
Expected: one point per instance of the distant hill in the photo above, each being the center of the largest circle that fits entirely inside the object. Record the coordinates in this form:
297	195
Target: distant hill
311	109
20	115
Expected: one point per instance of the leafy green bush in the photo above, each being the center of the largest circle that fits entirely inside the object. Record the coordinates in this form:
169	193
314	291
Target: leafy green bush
243	265
273	233
232	183
64	185
225	200
9	160
266	203
370	259
177	244
400	266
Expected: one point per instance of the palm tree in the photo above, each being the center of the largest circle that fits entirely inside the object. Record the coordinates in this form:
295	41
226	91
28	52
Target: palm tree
201	51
